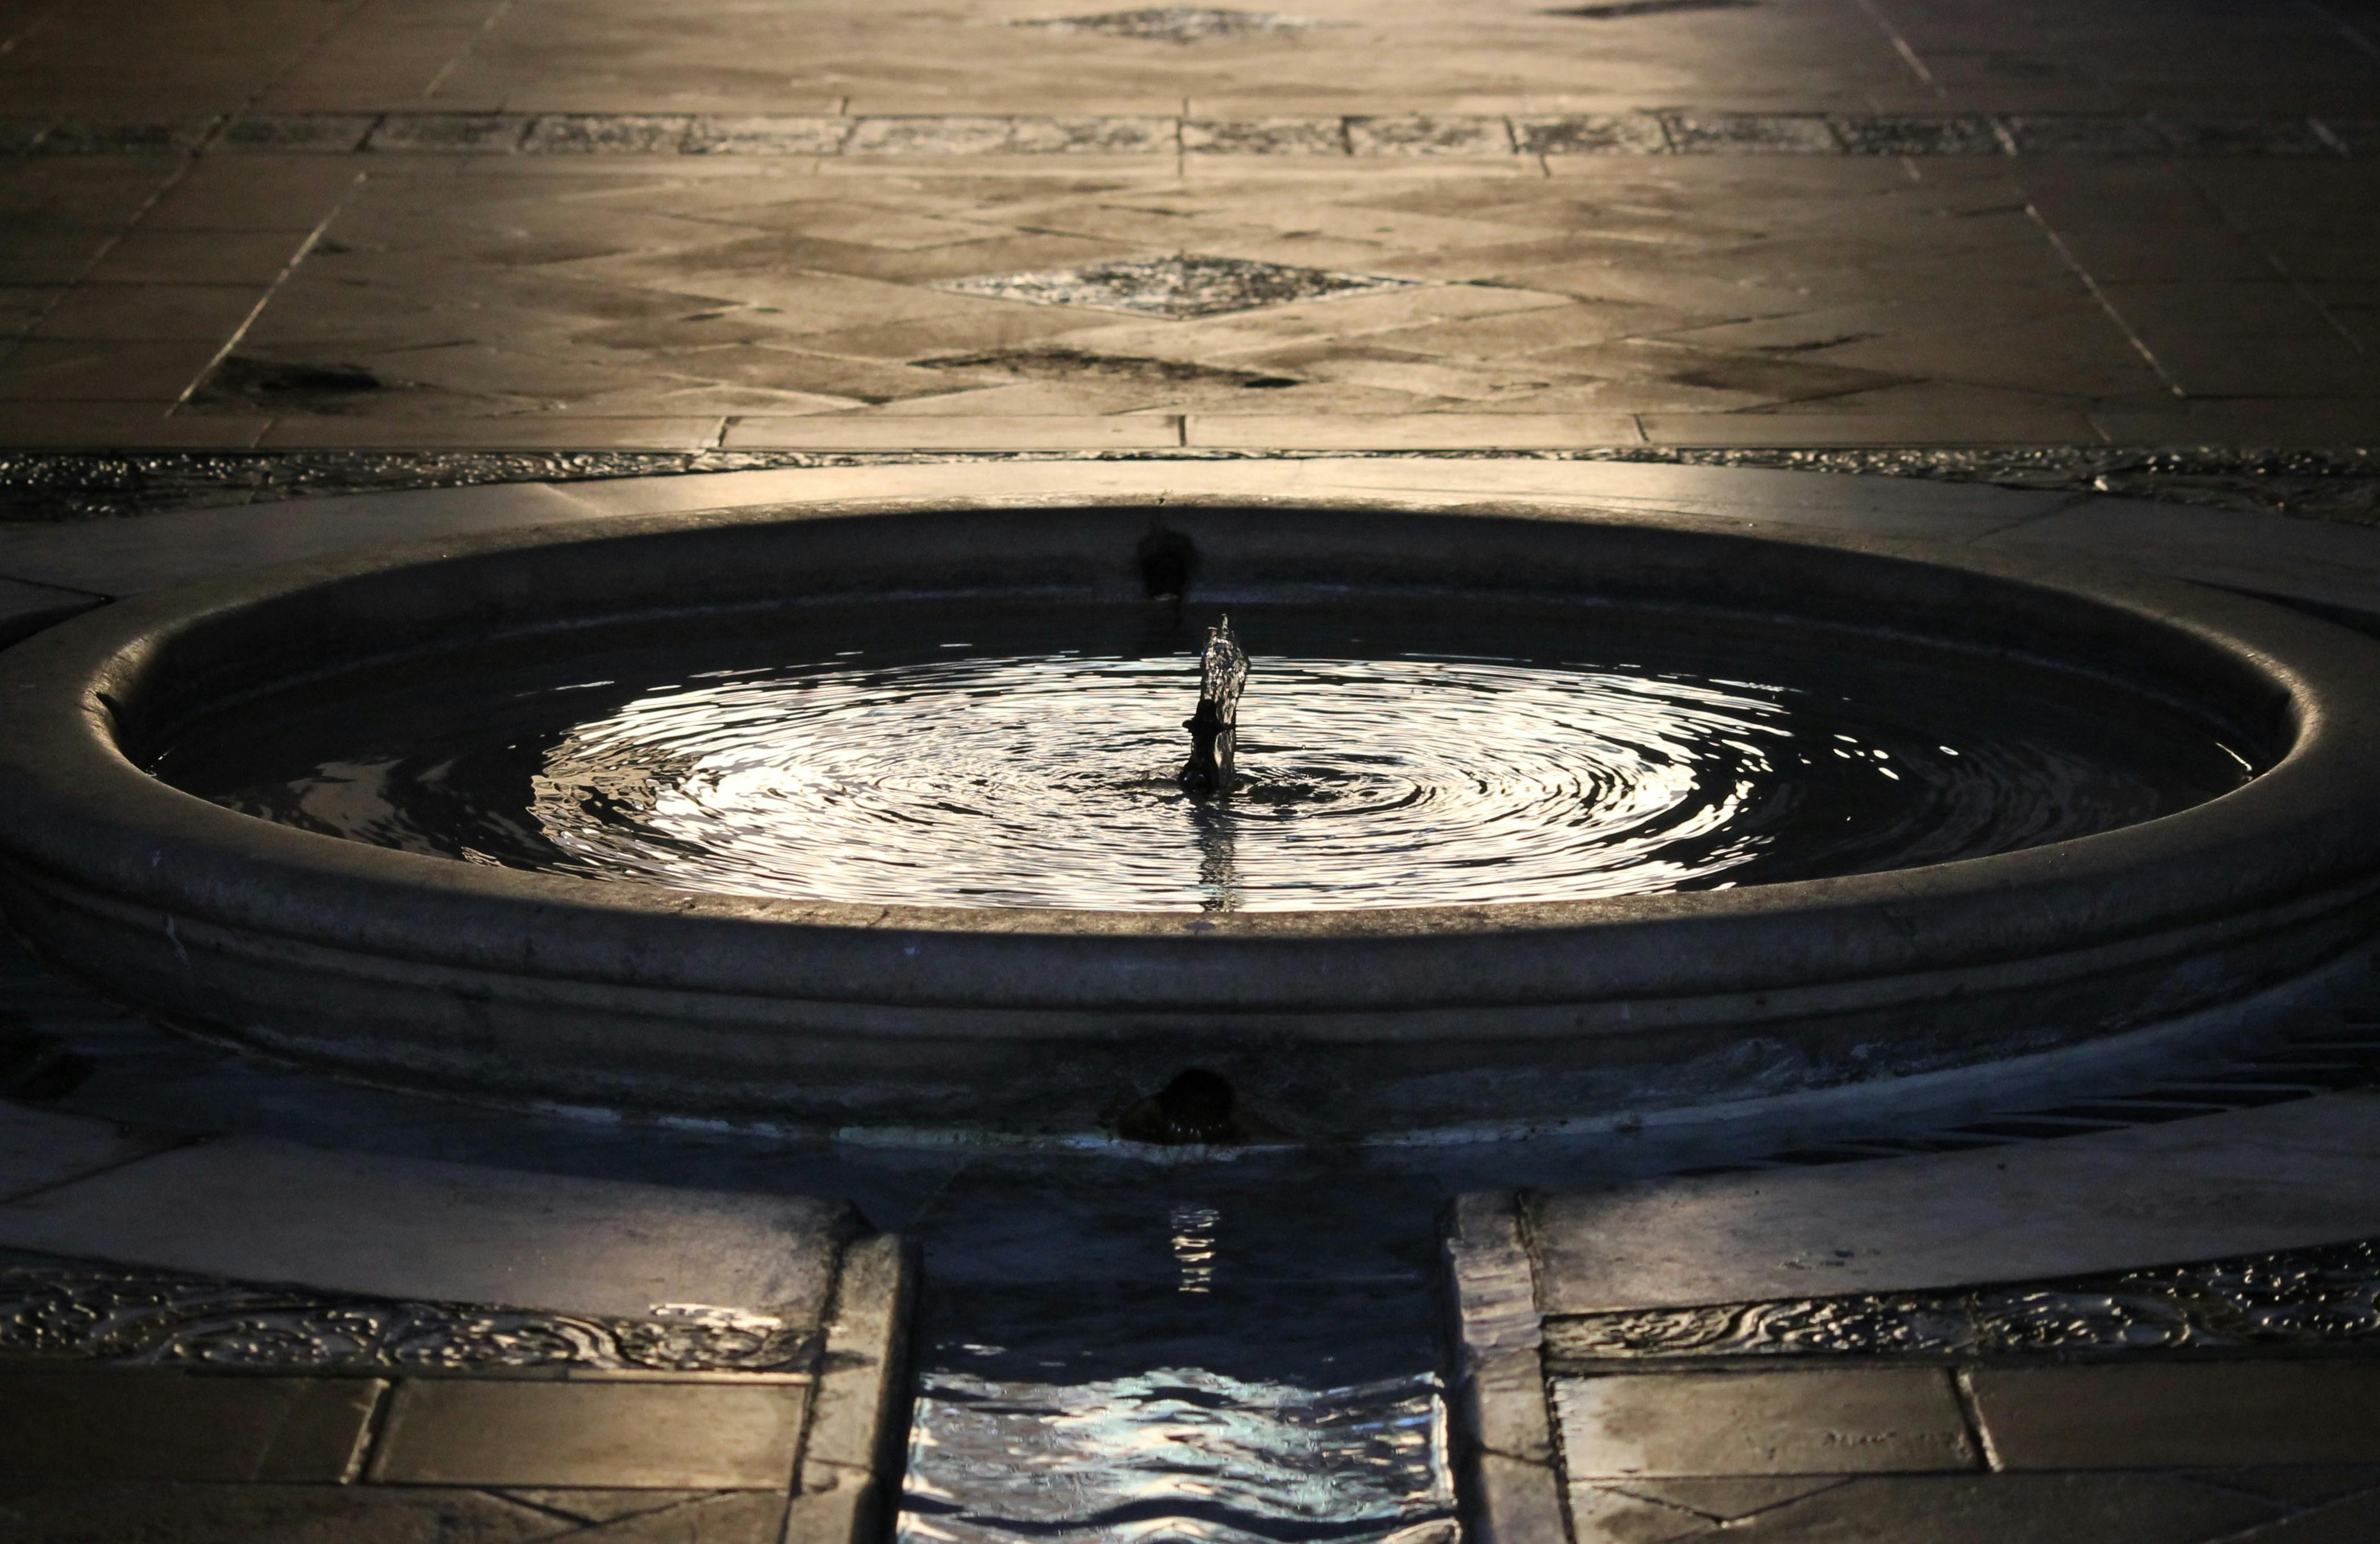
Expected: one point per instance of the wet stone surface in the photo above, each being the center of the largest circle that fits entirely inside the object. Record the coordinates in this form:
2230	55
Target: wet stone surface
72	1310
1624	134
1688	132
2341	485
1175	23
1621	9
1180	287
2305	1299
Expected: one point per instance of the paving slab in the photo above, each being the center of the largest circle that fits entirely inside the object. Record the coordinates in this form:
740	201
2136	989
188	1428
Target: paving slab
682	1436
88	1513
386	1227
2167	1416
2308	559
1824	1421
2354	1521
82	1425
40	1149
2009	1509
2246	1182
26	609
126	557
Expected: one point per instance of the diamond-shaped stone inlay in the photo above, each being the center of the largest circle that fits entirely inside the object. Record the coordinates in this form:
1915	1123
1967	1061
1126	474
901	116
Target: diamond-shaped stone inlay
1175	23
1181	286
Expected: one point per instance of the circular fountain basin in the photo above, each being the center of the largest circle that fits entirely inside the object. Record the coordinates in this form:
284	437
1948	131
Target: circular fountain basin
862	816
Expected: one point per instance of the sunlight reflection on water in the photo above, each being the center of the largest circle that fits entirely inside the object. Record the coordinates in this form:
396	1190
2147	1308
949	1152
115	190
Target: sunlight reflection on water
1176	1453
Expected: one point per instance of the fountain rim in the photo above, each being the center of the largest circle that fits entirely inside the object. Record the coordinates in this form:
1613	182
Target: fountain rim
2300	838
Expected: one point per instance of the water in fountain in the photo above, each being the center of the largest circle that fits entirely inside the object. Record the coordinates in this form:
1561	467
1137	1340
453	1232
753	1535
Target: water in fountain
1004	758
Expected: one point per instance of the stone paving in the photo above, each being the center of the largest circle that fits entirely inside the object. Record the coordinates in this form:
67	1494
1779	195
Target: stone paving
497	223
2093	1417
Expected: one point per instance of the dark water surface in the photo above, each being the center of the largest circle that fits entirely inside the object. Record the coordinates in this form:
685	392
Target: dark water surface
988	758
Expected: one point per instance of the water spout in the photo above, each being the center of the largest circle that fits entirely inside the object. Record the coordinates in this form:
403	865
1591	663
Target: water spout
1223	672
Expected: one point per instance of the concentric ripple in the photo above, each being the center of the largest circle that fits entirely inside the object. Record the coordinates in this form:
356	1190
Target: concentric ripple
989	772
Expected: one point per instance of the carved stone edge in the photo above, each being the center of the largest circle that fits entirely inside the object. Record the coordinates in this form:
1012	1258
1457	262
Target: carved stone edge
853	1450
1507	1480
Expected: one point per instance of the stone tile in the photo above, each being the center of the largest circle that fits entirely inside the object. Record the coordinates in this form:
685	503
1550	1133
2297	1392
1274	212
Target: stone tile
2297	1484
259	1210
48	371
134	312
1742	133
2244	136
216	257
46	258
761	134
603	1505
255	193
20	304
1969	134
1425	135
1600	1514
40	197
2007	1509
200	1513
305	133
84	1425
2083	135
1728	1500
935	136
1026	167
1506	335
50	425
2348	1522
1409	431
2266	308
1088	136
1183	286
2326	562
449	133
955	135
1831	1421
177	136
1849	428
2323	256
1602	134
857	432
736	1517
40	1149
2240	1183
2164	1415
1176	24
519	431
848	381
608	133
2310	365
676	1436
1320	137
19	135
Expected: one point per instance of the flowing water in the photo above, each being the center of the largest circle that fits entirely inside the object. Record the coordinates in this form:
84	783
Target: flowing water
992	757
